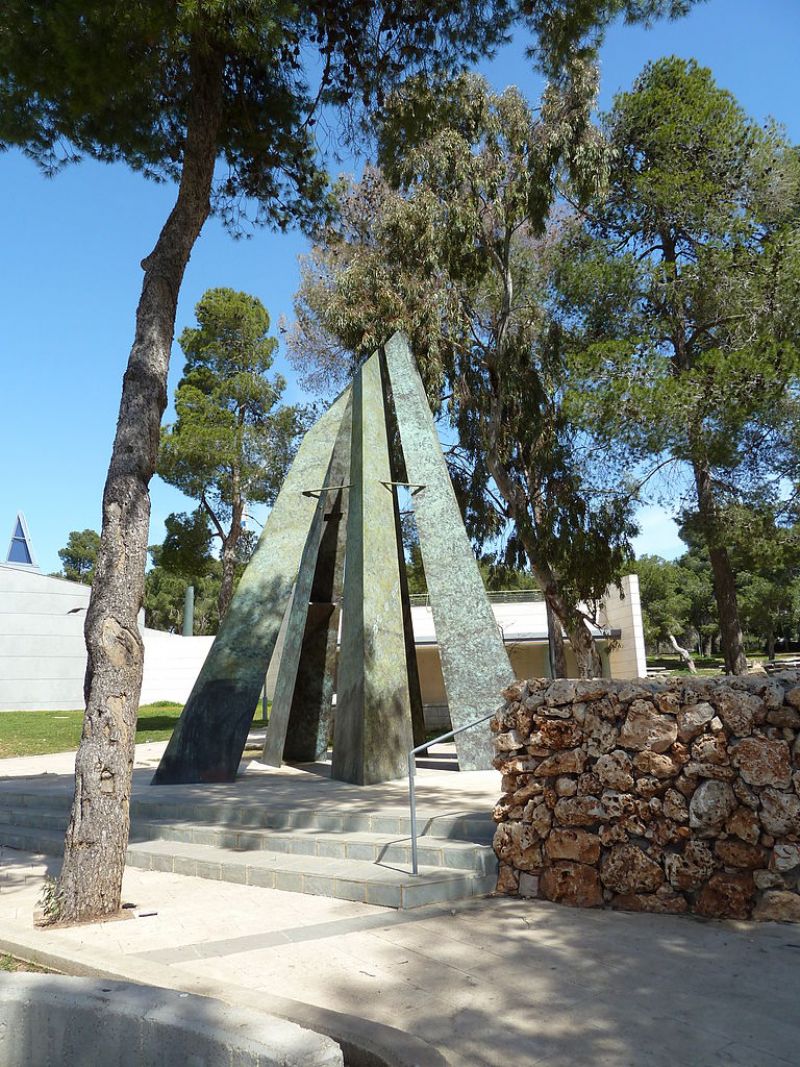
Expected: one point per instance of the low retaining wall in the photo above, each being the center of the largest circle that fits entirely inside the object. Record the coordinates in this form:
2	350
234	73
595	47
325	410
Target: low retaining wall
49	1019
676	796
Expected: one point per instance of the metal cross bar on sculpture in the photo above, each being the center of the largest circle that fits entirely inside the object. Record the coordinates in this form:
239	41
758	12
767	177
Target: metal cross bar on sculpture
332	559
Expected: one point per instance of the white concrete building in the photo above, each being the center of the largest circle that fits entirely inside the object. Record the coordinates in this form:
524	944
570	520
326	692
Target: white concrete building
43	656
42	650
522	619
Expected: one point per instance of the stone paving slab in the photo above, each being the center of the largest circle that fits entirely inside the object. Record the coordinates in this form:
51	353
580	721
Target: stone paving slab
303	789
489	983
497	982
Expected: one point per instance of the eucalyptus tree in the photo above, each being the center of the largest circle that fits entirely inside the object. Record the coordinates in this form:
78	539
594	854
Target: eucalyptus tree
232	440
450	243
682	298
218	97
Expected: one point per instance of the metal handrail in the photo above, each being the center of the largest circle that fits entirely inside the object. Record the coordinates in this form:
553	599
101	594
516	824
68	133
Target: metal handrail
412	795
508	596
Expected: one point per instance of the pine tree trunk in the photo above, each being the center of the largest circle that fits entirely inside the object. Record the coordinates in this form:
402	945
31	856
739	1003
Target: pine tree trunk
730	630
90	885
228	558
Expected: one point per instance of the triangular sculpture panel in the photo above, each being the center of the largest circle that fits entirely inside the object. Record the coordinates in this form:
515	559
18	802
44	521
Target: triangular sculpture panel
332	547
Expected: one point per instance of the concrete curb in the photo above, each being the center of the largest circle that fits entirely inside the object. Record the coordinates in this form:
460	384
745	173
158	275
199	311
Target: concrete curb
46	1018
363	1042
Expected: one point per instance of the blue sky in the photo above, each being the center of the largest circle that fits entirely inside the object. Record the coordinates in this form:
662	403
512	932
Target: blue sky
71	275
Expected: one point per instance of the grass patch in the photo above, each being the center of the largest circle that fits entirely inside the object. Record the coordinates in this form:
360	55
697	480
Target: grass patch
35	733
11	963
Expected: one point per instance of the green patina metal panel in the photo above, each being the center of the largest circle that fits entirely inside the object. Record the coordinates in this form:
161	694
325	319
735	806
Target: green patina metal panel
398	469
210	736
372	730
474	660
310	720
300	716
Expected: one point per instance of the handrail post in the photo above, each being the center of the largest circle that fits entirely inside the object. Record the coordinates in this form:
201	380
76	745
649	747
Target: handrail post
412	793
412	800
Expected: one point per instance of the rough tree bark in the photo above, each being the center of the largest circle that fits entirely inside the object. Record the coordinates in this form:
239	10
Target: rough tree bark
228	557
90	885
555	638
582	643
771	645
722	572
730	629
583	646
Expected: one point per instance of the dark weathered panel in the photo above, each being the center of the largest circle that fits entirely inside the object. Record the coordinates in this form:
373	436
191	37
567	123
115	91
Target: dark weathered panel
210	736
372	731
300	715
474	661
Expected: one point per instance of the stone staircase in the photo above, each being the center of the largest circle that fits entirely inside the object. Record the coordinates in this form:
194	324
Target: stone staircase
349	855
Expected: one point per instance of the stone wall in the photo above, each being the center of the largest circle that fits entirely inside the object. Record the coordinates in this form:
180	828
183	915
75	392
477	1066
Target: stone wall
668	796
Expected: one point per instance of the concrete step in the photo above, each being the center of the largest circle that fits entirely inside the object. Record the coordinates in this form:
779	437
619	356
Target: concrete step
372	848
466	826
38	818
476	827
353	865
346	879
375	848
32	839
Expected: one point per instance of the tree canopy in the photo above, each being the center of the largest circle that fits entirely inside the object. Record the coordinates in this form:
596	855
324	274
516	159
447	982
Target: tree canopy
232	441
219	96
459	255
79	556
680	296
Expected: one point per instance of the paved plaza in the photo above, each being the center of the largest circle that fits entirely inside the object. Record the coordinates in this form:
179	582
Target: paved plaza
480	983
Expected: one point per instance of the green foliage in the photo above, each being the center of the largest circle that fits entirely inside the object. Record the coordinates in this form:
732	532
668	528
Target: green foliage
232	441
684	281
678	595
120	78
50	901
79	556
766	553
497	577
666	604
119	82
679	300
186	551
164	592
459	257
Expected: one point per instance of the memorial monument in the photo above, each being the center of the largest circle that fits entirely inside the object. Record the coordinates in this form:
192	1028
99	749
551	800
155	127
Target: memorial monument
332	547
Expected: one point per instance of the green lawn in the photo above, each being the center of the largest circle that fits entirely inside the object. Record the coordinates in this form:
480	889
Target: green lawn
33	733
706	665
